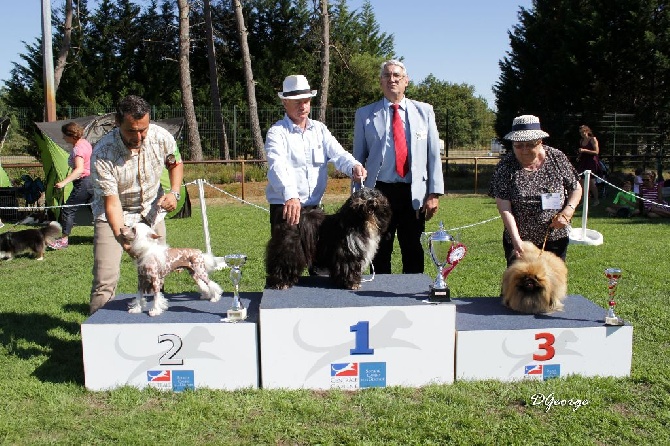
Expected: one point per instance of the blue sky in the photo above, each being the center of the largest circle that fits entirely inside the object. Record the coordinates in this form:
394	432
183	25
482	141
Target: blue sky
457	41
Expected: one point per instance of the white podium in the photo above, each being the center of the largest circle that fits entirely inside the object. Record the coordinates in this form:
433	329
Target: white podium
493	342
320	337
187	347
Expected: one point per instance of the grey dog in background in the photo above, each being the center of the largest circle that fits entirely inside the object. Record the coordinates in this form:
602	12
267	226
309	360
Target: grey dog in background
34	240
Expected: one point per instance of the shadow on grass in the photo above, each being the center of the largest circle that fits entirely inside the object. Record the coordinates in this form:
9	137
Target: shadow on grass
31	335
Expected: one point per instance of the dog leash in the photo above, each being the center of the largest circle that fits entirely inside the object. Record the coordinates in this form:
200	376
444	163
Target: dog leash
546	235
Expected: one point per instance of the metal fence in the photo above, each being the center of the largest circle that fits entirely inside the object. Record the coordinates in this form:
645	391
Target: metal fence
340	122
618	134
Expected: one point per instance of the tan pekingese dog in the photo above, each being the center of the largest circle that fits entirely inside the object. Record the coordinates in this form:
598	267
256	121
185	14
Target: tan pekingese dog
536	282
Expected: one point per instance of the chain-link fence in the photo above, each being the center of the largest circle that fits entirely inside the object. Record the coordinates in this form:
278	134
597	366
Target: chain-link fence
237	125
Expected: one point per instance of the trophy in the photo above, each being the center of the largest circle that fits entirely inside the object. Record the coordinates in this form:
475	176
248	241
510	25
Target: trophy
441	248
237	312
613	275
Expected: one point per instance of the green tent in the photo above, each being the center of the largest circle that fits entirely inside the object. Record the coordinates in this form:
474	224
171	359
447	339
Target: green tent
55	152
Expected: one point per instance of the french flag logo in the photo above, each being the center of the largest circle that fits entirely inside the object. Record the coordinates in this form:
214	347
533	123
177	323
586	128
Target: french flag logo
535	369
344	369
159	376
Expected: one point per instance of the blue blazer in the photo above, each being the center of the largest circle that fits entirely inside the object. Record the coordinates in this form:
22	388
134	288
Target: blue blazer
423	146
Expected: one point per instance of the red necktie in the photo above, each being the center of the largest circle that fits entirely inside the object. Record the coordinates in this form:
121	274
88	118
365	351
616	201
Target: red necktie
401	164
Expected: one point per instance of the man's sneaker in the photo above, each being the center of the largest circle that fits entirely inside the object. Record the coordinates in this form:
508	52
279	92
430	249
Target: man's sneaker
59	243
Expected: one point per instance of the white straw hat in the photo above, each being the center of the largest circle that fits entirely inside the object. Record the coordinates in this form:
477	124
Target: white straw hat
526	128
296	87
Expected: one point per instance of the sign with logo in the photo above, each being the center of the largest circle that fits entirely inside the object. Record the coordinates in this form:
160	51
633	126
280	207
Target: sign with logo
354	348
169	355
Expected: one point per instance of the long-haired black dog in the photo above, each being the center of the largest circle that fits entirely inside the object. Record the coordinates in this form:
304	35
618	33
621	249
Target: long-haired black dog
344	243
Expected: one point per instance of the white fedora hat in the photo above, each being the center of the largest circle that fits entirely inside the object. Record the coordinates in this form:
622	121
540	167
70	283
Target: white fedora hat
526	128
296	87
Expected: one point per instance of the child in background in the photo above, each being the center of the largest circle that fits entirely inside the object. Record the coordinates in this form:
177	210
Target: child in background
624	202
637	180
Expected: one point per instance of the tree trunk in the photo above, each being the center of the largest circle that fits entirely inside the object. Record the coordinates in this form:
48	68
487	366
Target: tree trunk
65	45
192	134
325	61
256	136
221	137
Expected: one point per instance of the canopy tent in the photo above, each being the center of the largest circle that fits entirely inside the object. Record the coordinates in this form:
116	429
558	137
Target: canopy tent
55	152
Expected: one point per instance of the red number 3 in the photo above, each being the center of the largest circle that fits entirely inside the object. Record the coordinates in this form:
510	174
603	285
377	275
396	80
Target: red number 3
547	346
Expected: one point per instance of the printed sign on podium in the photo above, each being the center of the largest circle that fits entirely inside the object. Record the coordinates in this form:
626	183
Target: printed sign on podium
187	347
494	342
384	334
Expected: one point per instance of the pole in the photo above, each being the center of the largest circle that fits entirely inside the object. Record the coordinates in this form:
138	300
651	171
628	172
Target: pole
203	208
585	205
48	64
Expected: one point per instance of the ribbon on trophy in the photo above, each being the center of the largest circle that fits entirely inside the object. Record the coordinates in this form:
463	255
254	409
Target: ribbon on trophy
455	255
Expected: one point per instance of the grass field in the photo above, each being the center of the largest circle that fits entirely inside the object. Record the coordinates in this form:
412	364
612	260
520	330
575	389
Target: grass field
42	305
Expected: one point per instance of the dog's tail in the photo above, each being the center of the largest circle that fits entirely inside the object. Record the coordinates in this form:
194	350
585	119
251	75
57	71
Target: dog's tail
214	263
51	231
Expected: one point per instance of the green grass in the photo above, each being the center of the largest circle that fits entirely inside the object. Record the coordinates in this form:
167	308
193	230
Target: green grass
42	305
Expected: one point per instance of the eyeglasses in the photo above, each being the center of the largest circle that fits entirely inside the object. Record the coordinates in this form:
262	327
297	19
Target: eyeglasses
526	145
398	76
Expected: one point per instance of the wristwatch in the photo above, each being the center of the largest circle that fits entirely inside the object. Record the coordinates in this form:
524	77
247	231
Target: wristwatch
176	194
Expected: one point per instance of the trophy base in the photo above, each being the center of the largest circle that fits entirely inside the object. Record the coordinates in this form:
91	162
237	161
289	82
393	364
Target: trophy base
439	295
235	315
613	321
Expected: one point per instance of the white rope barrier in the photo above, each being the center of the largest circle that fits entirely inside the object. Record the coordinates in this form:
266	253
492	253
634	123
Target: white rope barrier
200	183
637	197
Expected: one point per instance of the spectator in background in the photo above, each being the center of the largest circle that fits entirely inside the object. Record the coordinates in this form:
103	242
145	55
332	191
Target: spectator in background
397	140
637	181
536	190
624	204
652	205
588	159
80	177
298	151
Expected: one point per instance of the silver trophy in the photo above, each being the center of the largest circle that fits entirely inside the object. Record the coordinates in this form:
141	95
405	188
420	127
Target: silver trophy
441	248
237	312
613	276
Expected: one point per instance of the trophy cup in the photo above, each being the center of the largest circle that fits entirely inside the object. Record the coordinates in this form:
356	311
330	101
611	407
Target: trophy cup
613	275
439	246
237	312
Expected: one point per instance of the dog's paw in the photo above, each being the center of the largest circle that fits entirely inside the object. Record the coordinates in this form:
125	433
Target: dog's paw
134	308
156	311
216	298
160	305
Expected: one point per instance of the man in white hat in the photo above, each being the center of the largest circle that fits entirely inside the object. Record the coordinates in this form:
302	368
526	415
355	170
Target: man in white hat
298	151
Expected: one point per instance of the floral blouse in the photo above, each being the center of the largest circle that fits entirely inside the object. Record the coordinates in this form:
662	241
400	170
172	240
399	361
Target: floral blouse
524	188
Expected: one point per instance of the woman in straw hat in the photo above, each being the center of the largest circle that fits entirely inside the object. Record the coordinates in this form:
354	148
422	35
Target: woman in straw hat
536	190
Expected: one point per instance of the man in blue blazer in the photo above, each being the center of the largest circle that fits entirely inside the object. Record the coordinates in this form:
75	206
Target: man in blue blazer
410	178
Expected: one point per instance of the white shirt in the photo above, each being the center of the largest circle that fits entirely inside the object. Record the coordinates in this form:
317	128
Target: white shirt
298	161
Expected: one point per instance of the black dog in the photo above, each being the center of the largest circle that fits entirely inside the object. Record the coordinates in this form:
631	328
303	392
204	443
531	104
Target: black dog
35	240
344	243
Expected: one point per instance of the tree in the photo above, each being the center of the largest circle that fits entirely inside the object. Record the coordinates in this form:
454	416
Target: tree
257	138
65	45
214	84
192	133
604	57
325	60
